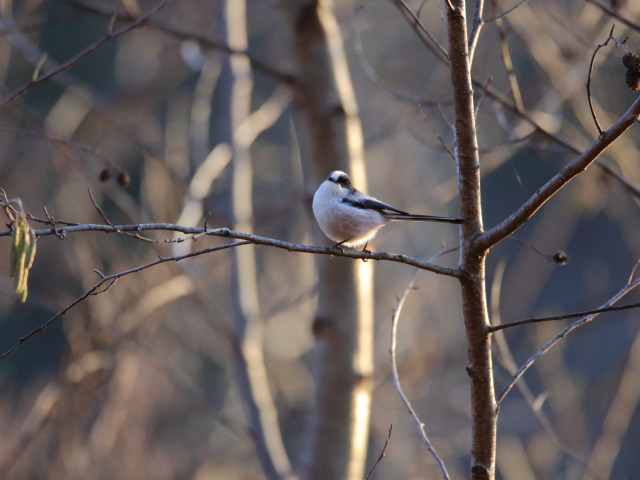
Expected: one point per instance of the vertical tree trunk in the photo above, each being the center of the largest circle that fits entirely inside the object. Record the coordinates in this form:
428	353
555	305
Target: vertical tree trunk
484	411
343	328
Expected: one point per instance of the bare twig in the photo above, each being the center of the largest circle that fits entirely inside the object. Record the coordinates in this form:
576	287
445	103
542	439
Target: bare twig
563	333
108	222
97	207
505	54
563	316
423	32
589	75
476	29
106	282
110	35
615	14
183	34
509	363
561	258
499	98
382	454
52	222
562	178
256	239
506	12
396	377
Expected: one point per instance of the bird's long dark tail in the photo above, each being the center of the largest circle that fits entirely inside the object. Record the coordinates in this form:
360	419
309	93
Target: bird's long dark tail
424	218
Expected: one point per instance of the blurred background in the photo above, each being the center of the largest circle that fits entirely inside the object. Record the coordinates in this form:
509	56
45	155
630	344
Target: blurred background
138	382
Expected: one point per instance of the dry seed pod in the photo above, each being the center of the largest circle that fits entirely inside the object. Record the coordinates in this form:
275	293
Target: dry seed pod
632	62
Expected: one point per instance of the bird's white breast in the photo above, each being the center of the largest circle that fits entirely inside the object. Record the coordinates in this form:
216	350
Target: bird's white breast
341	221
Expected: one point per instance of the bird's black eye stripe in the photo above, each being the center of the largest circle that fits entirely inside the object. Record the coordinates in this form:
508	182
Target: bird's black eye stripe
343	181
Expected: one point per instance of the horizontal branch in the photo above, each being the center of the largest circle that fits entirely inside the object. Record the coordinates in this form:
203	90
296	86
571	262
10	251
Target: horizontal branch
255	239
562	178
550	318
583	320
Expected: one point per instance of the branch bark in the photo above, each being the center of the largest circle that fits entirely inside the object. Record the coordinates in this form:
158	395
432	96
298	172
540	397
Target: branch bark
562	178
484	412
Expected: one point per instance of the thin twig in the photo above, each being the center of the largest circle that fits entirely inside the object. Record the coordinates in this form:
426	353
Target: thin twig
396	377
435	131
563	333
106	282
52	222
505	54
184	34
97	207
382	454
589	75
110	35
561	179
108	222
563	316
560	257
478	24
499	98
506	12
510	365
423	32
615	14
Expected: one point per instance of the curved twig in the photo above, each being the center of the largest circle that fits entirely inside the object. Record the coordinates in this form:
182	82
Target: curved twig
108	281
589	75
396	377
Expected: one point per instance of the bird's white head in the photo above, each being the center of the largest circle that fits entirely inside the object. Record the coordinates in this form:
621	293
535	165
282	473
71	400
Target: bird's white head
337	185
340	178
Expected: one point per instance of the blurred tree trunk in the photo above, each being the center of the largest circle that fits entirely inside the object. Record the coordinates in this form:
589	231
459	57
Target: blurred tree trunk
338	426
251	371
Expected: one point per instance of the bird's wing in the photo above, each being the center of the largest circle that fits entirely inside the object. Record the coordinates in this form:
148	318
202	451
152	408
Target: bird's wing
369	203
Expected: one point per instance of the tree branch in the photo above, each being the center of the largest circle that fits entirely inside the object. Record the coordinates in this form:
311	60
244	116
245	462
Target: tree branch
499	98
495	328
255	239
484	411
110	280
563	333
562	178
110	35
396	377
615	14
183	34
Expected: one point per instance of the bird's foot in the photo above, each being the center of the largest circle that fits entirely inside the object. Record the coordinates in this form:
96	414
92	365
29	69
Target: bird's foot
364	250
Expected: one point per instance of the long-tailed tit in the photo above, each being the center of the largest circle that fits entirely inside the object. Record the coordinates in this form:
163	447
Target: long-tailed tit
352	218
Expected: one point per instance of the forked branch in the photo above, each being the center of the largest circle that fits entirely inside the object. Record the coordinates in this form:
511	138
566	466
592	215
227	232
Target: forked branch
562	178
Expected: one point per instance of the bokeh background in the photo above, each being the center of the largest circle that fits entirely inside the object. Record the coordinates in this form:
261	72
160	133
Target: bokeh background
138	382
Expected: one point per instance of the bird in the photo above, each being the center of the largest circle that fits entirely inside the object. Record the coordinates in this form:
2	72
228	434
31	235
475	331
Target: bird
352	218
